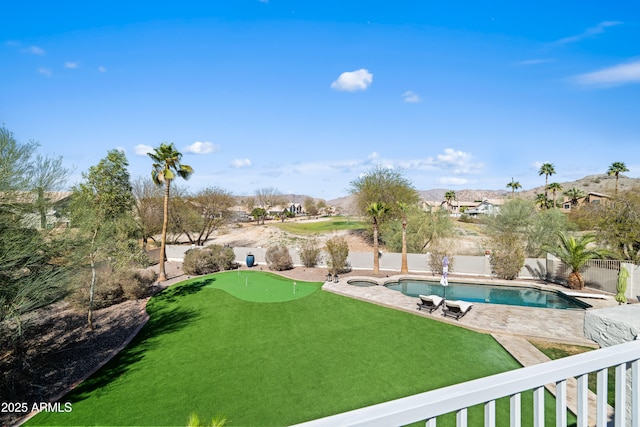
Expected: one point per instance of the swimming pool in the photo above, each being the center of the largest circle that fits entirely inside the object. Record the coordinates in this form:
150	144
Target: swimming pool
491	294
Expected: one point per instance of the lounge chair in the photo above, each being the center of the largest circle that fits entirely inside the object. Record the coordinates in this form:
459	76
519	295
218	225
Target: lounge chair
456	309
431	302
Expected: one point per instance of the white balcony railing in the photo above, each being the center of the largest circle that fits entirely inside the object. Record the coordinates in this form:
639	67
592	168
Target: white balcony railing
458	398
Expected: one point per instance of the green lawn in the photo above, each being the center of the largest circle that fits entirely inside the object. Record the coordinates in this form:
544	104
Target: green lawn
324	226
247	347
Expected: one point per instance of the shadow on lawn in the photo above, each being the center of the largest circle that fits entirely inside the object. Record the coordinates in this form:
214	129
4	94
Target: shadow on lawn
174	293
162	321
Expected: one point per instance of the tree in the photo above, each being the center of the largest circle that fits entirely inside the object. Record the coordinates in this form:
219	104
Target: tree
543	201
376	211
47	175
267	197
259	214
148	208
547	170
166	167
514	185
574	194
379	195
617	223
616	169
425	230
31	274
575	253
15	162
197	216
101	206
508	233
449	196
554	187
310	207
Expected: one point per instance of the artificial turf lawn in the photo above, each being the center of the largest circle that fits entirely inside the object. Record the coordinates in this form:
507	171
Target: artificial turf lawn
263	360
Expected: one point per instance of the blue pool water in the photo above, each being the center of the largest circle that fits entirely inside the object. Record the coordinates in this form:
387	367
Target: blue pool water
492	294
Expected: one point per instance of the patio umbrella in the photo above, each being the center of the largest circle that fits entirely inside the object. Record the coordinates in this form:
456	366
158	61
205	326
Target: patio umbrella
445	270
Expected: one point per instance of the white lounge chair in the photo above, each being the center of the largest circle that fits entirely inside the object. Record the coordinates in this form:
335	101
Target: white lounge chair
456	309
430	302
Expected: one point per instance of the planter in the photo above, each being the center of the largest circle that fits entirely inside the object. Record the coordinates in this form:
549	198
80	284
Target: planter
250	260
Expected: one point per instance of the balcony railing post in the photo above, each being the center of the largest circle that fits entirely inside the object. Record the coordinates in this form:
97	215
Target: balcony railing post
602	398
583	401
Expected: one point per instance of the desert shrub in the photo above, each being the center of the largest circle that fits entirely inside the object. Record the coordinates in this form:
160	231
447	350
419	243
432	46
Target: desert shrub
111	287
337	250
507	255
310	252
278	258
208	260
136	283
107	291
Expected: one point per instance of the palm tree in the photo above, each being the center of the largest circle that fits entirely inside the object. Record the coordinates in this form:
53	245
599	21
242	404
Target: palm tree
615	169
575	253
404	268
514	185
376	211
554	187
166	166
449	196
542	200
574	194
547	170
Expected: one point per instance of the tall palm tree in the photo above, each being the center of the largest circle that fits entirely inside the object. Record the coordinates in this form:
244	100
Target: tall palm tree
514	185
404	268
575	253
574	194
547	170
376	211
616	169
554	187
166	167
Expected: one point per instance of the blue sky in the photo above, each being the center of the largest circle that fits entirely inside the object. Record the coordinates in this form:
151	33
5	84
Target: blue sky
305	96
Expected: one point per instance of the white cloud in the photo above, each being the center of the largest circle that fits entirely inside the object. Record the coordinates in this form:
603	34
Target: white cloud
102	69
71	65
460	161
45	71
199	147
589	32
612	76
351	81
373	156
35	50
240	163
410	96
142	149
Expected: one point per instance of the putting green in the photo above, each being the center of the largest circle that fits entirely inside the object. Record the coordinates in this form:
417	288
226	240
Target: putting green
257	286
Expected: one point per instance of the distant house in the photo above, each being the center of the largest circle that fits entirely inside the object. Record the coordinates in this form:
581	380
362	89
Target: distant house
295	208
458	207
590	198
485	207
